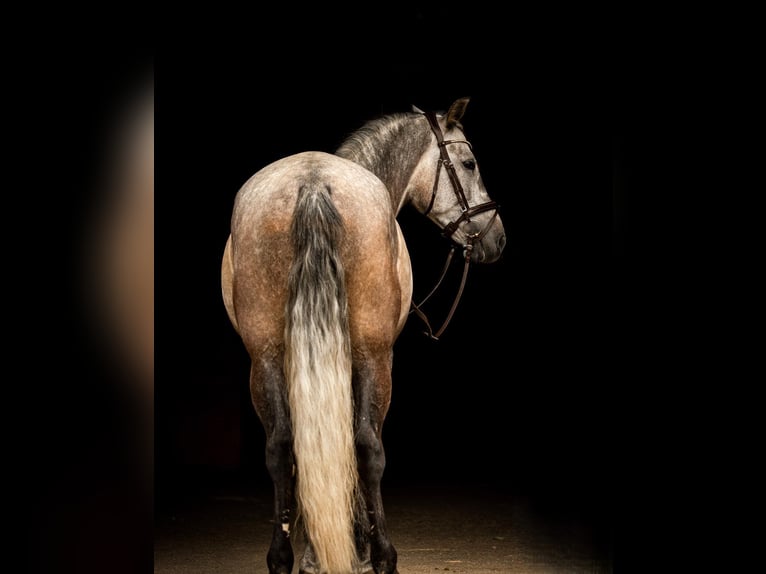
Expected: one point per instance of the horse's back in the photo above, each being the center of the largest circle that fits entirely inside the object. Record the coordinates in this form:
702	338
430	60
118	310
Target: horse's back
259	253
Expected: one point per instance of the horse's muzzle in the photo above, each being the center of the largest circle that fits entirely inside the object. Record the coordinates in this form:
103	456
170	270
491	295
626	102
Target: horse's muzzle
488	249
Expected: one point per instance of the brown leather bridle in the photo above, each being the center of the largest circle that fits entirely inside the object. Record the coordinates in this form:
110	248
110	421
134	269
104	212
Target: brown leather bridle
449	229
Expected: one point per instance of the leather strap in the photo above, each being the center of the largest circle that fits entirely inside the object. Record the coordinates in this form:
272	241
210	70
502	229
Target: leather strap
449	229
445	162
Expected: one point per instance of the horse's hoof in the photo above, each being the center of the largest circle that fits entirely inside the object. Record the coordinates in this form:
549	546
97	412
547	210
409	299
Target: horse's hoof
384	570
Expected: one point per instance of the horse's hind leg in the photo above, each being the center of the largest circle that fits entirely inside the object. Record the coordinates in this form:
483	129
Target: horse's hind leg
372	395
269	395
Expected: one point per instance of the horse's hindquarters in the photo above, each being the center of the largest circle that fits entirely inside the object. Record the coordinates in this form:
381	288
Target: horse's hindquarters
316	279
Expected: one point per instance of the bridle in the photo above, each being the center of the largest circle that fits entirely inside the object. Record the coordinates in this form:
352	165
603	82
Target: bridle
467	211
449	229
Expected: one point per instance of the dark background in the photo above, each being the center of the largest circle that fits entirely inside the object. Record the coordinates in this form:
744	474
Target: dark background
568	374
577	371
533	383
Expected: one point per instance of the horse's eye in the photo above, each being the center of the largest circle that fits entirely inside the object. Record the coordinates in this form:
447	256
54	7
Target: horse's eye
469	164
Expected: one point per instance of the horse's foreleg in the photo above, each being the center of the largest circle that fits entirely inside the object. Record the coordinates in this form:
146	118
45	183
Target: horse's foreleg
372	388
270	399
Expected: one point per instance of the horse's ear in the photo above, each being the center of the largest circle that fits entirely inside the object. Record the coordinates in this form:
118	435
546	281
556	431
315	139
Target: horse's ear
456	111
417	110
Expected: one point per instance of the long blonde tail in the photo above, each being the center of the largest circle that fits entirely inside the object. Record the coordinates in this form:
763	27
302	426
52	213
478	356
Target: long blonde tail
318	374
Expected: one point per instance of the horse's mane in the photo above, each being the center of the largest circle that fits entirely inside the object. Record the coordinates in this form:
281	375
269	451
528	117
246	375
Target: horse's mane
389	146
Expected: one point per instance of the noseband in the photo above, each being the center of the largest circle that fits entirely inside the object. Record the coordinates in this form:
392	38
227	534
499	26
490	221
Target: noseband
449	229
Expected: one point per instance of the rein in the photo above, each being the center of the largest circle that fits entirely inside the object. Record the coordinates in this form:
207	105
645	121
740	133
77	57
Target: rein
448	230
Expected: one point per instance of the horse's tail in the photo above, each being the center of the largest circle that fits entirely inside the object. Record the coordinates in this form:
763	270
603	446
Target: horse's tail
318	374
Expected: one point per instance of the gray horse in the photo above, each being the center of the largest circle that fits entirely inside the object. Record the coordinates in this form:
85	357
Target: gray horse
317	281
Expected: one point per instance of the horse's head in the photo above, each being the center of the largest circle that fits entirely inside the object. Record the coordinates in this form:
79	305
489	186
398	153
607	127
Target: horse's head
448	189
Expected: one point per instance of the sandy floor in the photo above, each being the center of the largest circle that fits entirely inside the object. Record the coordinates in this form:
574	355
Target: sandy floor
433	529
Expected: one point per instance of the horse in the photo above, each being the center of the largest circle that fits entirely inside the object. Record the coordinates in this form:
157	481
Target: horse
317	281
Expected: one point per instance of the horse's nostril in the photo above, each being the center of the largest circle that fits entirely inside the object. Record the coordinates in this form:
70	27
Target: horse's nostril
501	242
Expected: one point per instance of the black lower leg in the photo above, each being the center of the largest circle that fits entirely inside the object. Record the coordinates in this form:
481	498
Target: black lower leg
371	460
279	459
269	397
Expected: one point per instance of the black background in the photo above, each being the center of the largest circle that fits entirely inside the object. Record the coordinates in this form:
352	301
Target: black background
526	370
535	383
571	372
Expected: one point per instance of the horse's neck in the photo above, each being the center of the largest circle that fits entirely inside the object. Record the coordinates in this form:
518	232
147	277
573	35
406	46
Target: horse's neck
391	149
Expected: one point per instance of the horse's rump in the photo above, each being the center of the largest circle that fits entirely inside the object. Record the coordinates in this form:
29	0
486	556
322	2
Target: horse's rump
375	259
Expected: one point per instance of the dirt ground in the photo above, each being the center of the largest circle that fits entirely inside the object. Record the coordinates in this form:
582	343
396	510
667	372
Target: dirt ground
434	529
